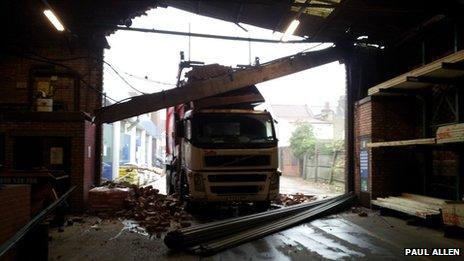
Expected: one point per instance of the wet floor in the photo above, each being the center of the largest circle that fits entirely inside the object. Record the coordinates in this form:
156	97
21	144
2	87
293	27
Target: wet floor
292	185
346	236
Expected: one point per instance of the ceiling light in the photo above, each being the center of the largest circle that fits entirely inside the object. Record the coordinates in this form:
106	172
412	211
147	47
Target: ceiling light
362	37
290	30
54	20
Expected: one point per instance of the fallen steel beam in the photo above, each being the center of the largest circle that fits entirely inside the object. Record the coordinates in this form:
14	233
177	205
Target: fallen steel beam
272	226
39	217
201	89
187	237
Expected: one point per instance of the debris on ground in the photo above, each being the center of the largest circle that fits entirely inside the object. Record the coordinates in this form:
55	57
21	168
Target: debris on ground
293	199
360	211
155	212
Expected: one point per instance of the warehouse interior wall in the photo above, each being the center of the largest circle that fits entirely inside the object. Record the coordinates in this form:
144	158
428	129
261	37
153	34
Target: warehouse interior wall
441	169
69	75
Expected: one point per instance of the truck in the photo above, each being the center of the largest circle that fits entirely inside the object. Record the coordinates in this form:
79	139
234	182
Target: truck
220	148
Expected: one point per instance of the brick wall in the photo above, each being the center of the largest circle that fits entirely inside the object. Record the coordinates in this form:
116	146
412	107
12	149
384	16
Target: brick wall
74	65
15	212
82	135
385	119
15	72
89	159
363	128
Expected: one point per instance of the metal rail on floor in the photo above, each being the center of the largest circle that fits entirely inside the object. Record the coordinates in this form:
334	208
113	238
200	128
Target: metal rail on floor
197	235
31	224
190	236
272	226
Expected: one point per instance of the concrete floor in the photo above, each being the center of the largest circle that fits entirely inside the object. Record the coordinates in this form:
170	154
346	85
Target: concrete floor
292	185
342	236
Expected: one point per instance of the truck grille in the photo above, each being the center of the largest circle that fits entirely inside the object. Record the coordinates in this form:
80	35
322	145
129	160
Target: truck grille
237	160
234	189
237	178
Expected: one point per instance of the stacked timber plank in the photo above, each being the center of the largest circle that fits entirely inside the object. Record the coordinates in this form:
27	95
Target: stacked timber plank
411	204
444	68
453	214
450	133
397	143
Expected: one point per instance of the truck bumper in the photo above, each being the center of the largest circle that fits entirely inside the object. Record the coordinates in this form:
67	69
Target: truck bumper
240	186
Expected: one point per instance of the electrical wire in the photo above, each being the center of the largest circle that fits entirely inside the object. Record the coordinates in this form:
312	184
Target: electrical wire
105	62
56	61
312	47
71	69
149	80
122	78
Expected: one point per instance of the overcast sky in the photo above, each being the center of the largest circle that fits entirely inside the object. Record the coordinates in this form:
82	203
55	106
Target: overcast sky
156	56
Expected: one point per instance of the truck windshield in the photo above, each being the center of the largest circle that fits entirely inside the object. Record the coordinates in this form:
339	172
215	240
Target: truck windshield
230	129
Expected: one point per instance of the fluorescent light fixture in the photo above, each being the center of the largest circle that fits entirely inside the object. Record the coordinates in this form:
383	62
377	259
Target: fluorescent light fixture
362	37
290	30
54	20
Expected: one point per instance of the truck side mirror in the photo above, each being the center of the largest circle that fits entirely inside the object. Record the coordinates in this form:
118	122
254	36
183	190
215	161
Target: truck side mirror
180	129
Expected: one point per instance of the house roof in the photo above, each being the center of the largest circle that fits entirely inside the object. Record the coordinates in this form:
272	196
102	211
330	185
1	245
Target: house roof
294	113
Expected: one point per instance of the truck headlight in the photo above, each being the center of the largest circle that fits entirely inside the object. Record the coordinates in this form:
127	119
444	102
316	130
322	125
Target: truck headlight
198	182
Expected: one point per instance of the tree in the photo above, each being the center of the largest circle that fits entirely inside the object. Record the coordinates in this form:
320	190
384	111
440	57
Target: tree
303	140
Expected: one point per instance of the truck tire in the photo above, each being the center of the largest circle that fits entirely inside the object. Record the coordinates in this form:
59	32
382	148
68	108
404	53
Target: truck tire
262	205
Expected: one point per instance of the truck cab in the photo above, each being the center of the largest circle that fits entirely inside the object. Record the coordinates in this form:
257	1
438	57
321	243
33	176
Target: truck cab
227	155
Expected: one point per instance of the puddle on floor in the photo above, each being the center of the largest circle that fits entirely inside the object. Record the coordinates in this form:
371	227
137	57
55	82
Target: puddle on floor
306	238
131	226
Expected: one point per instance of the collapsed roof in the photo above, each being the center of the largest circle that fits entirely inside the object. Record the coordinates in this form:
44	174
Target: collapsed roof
387	22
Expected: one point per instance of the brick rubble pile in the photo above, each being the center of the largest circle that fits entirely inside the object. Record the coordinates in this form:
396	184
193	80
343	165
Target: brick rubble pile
293	199
156	212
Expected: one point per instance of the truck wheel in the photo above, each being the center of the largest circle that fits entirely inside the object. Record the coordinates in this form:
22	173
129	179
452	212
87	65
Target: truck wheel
192	207
262	205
